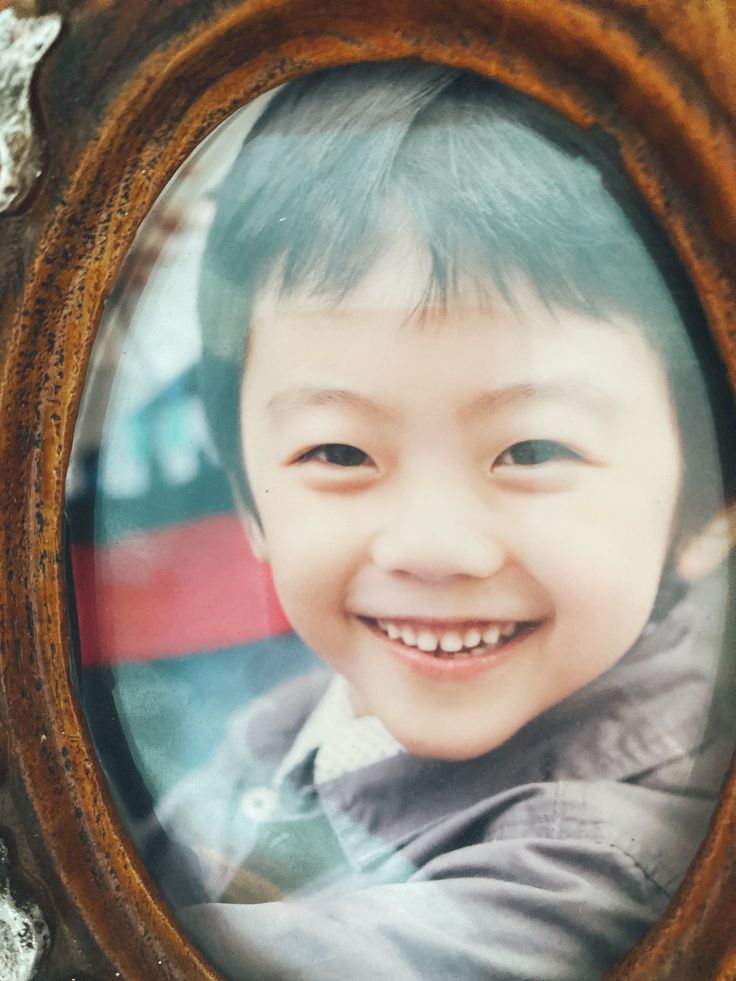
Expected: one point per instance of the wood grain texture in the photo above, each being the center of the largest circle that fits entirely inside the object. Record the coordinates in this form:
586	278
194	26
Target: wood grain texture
127	93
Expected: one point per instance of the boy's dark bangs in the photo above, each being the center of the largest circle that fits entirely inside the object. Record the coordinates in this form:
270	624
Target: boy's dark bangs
318	195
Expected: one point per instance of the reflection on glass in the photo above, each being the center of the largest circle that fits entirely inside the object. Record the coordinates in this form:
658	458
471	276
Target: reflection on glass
399	521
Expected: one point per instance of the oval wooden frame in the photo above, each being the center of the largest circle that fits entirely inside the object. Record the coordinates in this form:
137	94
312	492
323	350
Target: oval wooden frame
612	64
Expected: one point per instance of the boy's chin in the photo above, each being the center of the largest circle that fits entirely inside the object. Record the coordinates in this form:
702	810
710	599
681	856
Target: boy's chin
429	732
448	754
430	736
450	747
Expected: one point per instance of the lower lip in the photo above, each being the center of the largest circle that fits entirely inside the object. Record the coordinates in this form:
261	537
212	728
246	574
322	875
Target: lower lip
460	667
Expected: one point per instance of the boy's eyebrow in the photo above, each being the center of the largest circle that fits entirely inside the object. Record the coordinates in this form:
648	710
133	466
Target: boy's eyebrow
291	400
571	390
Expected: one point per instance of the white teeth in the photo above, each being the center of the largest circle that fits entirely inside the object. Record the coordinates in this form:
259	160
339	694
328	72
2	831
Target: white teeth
451	642
473	640
408	636
427	641
491	635
472	637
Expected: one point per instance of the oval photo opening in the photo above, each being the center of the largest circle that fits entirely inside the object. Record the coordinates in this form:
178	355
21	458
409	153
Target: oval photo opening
400	512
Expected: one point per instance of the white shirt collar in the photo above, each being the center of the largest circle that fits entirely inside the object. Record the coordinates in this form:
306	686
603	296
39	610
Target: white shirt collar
344	742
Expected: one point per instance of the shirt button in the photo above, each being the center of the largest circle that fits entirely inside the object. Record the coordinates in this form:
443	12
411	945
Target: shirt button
259	803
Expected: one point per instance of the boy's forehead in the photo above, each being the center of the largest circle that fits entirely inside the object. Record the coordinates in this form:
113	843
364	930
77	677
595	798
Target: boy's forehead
517	351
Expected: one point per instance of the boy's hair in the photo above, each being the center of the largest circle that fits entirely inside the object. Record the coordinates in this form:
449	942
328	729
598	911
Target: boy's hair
490	183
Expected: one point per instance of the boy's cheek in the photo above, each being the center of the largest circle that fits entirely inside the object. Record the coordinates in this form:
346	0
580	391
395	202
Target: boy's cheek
604	579
305	523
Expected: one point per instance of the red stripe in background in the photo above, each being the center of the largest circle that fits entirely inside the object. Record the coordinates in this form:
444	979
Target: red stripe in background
178	590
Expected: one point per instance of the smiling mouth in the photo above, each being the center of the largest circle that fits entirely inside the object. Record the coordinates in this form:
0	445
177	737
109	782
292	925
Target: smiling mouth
454	642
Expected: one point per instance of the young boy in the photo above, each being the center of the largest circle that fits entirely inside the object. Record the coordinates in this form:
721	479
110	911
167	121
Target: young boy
447	368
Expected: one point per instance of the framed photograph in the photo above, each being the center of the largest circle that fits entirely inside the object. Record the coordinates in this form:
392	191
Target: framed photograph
369	475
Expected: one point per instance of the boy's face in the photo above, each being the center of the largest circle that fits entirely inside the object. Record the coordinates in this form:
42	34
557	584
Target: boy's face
496	480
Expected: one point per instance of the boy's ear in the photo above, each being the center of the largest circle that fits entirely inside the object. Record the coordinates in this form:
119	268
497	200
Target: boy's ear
255	534
249	520
709	547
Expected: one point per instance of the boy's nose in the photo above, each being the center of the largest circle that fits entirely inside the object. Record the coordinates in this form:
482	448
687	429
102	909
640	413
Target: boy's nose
434	538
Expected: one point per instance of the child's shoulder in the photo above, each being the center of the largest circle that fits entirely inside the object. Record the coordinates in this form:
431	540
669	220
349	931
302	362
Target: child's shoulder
634	831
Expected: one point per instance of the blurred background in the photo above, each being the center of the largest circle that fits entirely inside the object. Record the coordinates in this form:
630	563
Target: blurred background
176	622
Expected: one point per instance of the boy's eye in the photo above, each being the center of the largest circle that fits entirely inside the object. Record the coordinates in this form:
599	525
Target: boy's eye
336	455
533	452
